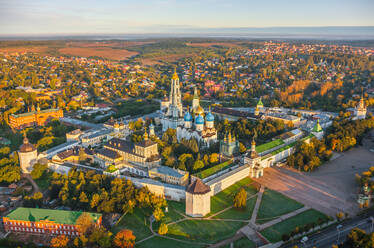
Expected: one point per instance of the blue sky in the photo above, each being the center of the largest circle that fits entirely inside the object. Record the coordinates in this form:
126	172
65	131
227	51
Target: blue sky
138	16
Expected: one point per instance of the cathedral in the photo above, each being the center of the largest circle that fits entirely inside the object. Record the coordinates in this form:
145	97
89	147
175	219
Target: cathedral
195	124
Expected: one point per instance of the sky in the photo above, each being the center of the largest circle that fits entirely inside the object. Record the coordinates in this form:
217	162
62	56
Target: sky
153	16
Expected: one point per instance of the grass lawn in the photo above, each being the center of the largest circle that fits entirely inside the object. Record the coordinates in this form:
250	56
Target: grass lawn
275	232
204	230
172	214
225	198
159	242
237	214
244	243
138	222
274	204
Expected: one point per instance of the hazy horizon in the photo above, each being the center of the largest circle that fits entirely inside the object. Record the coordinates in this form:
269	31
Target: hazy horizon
22	17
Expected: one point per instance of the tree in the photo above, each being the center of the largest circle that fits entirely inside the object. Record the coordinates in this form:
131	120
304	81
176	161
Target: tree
163	229
38	170
240	200
213	158
158	214
198	165
242	148
101	237
60	241
84	223
124	239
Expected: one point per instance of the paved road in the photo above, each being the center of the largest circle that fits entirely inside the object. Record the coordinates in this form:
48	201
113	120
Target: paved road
329	236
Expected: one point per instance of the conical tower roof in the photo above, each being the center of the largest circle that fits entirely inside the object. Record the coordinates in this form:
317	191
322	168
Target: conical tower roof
317	127
198	187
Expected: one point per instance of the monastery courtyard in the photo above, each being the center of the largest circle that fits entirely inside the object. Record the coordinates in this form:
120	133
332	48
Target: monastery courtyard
329	189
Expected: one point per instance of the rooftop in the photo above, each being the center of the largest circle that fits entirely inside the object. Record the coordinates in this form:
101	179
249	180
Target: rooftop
198	187
56	216
169	171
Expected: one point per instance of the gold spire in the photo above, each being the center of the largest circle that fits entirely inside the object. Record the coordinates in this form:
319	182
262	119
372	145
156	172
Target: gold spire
175	75
253	141
145	136
225	138
229	138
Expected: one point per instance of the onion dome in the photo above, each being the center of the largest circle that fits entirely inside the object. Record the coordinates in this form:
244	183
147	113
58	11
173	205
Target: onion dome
199	110
151	125
199	120
187	116
26	146
209	116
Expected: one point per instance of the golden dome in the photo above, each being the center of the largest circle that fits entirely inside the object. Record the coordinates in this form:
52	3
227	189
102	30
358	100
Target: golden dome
199	110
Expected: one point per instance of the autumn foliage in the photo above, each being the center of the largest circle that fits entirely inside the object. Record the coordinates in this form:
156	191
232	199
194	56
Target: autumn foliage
124	239
59	241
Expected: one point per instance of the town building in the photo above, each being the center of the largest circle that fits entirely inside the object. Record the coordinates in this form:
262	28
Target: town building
34	118
45	221
28	156
169	175
96	138
144	153
74	135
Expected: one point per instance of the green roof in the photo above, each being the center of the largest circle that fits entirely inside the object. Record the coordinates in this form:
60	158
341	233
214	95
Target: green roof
57	216
260	102
317	128
212	170
269	145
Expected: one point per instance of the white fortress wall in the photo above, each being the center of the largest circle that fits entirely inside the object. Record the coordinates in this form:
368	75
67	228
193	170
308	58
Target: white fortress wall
226	180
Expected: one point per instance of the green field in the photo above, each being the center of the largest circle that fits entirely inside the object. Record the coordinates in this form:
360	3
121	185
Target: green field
275	232
225	198
209	231
160	242
238	214
274	204
138	222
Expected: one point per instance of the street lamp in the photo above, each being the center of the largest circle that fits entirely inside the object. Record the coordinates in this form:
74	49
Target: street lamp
338	229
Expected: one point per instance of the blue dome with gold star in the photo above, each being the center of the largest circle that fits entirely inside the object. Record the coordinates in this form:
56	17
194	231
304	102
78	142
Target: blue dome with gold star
199	120
187	116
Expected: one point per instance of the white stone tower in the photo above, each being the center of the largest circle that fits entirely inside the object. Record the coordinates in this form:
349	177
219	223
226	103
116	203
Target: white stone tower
27	156
151	130
360	110
197	199
195	101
